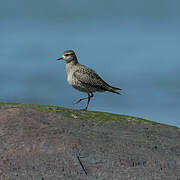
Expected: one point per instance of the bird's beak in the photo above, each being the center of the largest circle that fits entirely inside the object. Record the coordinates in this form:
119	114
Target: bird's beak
59	58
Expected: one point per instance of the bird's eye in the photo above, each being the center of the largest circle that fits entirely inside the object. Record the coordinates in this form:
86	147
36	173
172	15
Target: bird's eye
67	54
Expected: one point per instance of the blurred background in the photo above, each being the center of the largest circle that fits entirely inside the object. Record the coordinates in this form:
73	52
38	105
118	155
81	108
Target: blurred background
133	45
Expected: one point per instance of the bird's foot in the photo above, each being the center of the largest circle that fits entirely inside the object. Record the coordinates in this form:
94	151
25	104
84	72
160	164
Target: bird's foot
79	100
84	109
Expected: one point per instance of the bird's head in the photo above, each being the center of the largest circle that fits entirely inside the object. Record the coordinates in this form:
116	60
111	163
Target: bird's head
68	56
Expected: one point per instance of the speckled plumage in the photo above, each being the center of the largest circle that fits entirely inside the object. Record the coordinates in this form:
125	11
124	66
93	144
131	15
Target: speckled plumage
83	78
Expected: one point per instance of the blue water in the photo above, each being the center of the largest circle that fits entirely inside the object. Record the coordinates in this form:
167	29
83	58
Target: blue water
133	45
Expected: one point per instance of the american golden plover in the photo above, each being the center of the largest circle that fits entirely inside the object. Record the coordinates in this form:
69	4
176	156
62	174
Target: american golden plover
83	78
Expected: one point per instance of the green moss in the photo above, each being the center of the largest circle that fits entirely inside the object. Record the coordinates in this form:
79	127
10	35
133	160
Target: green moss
83	115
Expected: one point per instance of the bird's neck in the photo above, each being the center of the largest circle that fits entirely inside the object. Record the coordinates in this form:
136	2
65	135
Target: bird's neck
71	64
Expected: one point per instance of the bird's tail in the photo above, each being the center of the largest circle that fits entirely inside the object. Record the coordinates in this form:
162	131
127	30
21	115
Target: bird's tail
114	90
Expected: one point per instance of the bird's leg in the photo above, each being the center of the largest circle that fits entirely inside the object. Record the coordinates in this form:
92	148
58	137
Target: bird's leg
79	100
90	95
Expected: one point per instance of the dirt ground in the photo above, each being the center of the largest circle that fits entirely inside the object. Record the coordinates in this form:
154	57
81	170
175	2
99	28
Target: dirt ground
38	145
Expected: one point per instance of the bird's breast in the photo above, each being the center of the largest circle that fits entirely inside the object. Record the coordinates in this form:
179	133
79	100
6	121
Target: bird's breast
69	78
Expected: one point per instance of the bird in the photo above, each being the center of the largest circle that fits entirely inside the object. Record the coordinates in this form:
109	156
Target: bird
83	78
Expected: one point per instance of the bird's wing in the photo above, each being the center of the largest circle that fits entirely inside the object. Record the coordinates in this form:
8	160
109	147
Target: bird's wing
89	77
